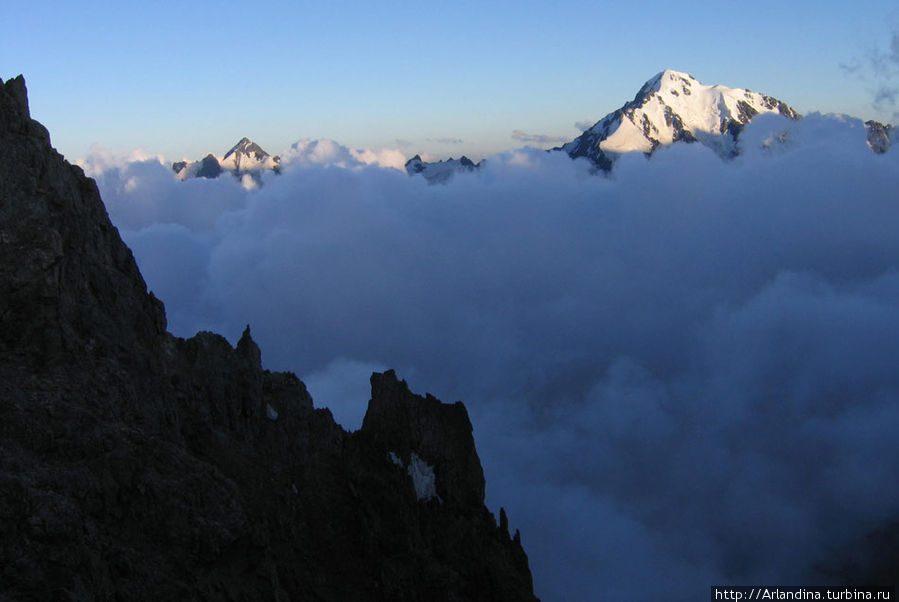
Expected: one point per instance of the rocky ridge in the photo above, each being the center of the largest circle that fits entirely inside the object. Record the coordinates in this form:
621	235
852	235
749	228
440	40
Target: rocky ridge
440	171
135	465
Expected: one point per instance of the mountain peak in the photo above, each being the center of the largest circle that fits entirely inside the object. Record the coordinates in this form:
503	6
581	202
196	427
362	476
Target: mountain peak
247	148
673	106
245	157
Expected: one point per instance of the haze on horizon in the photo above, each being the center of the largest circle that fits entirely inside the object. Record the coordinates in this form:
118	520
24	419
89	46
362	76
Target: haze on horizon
182	80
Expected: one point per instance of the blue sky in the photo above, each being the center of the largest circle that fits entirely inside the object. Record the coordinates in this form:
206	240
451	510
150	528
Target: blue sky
183	79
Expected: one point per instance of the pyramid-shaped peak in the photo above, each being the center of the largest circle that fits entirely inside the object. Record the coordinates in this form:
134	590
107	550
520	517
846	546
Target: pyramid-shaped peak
244	157
247	147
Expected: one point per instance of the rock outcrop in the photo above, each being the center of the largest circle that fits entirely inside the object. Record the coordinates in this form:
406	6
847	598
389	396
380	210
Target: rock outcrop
135	465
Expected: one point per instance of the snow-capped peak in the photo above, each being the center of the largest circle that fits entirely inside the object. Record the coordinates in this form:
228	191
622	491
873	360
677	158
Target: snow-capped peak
674	106
247	148
244	157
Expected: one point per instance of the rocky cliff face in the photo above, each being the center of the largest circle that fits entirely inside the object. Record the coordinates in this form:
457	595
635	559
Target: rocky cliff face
135	465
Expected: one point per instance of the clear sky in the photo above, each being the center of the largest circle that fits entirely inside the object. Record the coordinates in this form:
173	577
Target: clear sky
186	78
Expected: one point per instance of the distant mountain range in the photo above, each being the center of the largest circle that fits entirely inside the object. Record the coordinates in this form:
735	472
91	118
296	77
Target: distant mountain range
671	107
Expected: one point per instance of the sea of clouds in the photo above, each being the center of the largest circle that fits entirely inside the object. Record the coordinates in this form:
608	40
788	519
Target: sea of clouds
680	375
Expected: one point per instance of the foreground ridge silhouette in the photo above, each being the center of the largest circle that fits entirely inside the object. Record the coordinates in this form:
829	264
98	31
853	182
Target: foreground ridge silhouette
135	465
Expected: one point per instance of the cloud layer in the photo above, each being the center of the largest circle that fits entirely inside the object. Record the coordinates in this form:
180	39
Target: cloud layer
307	152
680	375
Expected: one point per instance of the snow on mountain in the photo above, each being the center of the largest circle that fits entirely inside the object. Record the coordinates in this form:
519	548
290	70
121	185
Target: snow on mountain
673	107
441	171
244	158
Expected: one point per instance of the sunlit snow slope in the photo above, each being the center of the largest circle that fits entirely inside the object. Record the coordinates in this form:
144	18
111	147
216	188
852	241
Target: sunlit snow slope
672	107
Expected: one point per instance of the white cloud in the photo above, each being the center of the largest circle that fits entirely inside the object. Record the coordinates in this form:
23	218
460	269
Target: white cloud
678	375
100	159
328	152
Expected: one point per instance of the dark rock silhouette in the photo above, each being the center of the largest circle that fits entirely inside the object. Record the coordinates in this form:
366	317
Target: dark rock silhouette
135	465
209	167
